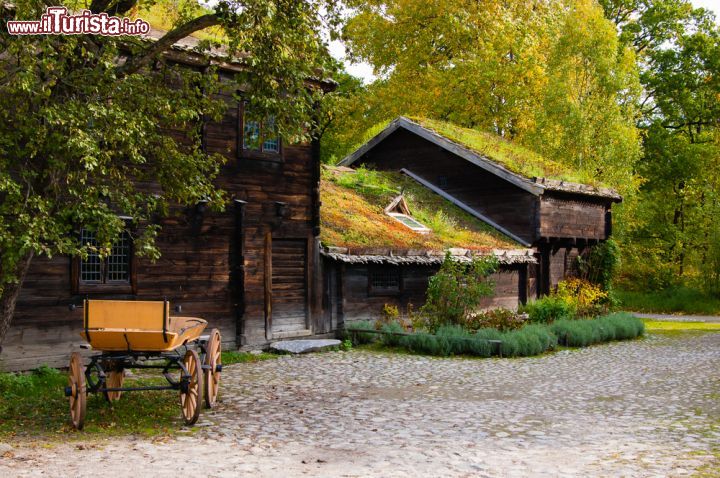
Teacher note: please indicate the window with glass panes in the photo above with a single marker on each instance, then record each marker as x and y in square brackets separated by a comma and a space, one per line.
[114, 268]
[258, 135]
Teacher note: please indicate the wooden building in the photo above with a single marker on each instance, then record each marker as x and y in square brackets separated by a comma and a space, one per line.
[249, 270]
[384, 235]
[532, 200]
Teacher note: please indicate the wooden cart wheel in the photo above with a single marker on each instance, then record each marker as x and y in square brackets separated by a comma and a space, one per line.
[78, 392]
[114, 379]
[190, 399]
[213, 358]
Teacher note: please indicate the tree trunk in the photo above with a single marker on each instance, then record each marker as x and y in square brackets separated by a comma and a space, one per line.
[9, 296]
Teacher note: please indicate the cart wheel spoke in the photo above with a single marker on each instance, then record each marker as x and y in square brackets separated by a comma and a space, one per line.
[114, 379]
[189, 398]
[77, 399]
[213, 359]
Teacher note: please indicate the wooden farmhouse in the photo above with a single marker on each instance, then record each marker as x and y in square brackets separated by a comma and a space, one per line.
[250, 271]
[384, 235]
[528, 198]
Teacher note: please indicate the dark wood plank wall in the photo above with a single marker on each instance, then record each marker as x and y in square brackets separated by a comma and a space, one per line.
[197, 256]
[506, 204]
[570, 217]
[357, 304]
[557, 266]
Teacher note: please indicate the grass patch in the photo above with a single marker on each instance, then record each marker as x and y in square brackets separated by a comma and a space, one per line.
[231, 357]
[513, 156]
[662, 326]
[33, 405]
[682, 300]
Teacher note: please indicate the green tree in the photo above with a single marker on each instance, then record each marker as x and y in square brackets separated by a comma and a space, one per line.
[550, 75]
[672, 237]
[83, 121]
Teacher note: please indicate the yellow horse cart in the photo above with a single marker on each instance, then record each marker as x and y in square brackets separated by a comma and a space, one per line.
[143, 335]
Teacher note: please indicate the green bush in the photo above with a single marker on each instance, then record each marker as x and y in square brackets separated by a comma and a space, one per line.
[581, 333]
[500, 318]
[531, 340]
[548, 309]
[457, 290]
[360, 337]
[461, 342]
[389, 338]
[426, 344]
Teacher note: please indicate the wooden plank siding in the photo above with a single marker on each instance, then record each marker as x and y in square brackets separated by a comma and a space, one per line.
[353, 302]
[558, 224]
[573, 218]
[202, 268]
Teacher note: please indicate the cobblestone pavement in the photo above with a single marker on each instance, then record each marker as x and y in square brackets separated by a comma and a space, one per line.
[641, 408]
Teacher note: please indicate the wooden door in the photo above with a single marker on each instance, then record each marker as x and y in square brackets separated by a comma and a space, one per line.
[289, 287]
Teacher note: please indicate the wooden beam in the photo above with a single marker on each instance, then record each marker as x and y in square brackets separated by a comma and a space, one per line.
[267, 258]
[464, 207]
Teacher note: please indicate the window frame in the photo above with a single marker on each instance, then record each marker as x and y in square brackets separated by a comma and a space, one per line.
[383, 291]
[242, 152]
[423, 229]
[129, 286]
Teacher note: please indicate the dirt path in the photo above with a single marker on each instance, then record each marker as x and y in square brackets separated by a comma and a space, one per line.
[635, 409]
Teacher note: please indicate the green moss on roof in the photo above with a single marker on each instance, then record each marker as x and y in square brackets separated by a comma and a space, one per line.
[352, 215]
[512, 156]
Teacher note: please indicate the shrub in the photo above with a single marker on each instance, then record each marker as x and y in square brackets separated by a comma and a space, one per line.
[426, 344]
[389, 314]
[456, 291]
[548, 309]
[360, 337]
[588, 299]
[389, 338]
[527, 341]
[501, 319]
[462, 342]
[581, 333]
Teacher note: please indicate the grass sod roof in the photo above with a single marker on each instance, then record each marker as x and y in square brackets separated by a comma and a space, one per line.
[514, 157]
[352, 216]
[534, 169]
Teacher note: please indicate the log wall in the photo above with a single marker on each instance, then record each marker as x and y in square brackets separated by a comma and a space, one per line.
[213, 264]
[350, 299]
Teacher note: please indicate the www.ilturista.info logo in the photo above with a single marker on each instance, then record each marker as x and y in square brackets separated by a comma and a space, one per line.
[56, 21]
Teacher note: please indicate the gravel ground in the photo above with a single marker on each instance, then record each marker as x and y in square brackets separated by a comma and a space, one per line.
[643, 408]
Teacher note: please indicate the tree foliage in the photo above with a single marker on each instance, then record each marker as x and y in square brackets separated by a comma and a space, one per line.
[83, 122]
[674, 236]
[550, 75]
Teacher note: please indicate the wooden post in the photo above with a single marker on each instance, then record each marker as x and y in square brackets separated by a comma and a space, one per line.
[523, 284]
[267, 258]
[237, 271]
